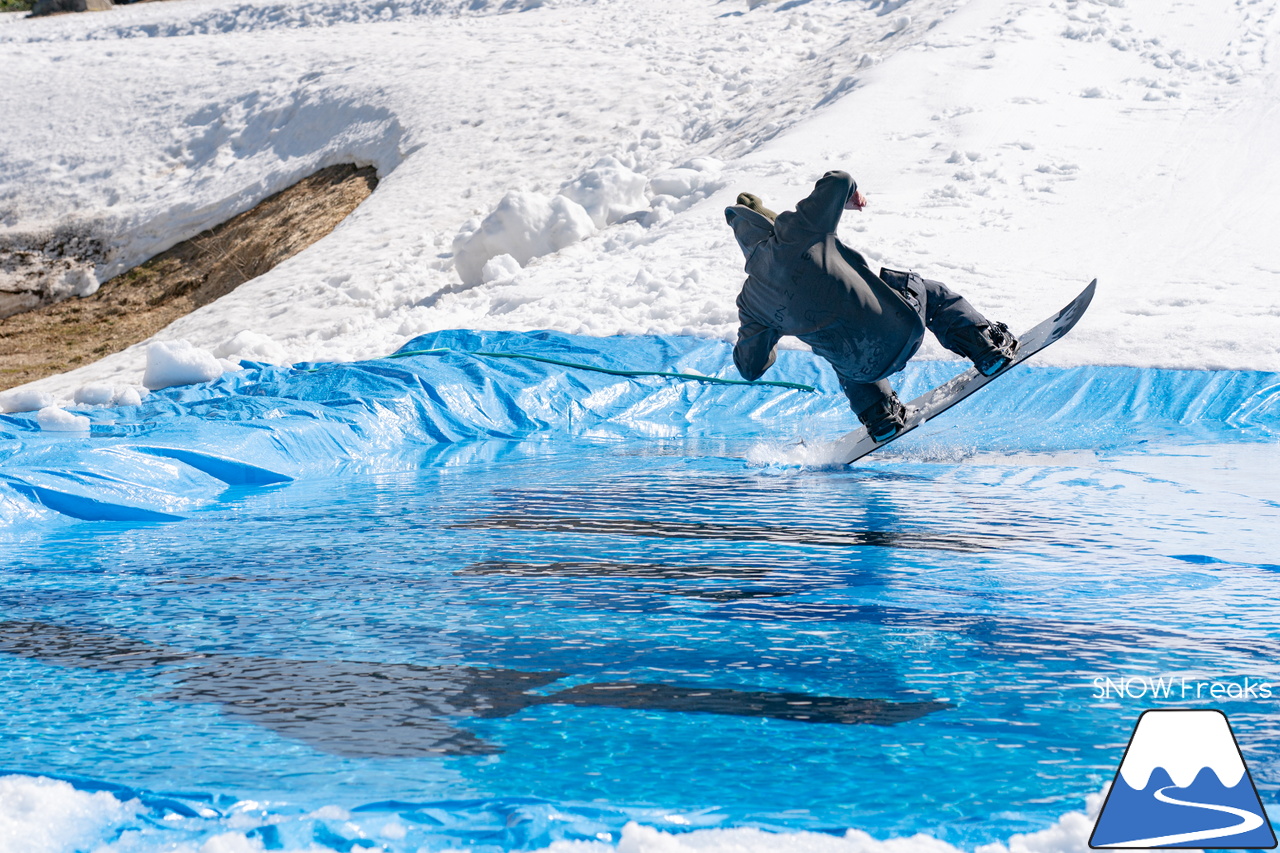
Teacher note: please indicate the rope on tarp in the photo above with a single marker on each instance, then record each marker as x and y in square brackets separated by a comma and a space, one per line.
[691, 377]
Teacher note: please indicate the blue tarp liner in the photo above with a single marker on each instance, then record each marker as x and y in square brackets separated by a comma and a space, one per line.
[244, 603]
[266, 425]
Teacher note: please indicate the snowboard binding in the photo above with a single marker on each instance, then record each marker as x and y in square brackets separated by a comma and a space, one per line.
[990, 347]
[885, 419]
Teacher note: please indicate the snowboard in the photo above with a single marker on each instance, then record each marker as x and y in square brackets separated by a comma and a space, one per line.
[929, 405]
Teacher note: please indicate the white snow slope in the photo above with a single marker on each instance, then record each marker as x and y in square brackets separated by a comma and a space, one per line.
[1013, 148]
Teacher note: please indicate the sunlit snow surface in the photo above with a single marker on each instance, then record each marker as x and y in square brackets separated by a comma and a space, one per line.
[365, 636]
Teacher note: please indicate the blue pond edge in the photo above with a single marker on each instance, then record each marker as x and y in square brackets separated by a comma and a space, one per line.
[268, 425]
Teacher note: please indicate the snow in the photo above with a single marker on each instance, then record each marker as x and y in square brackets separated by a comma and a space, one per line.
[608, 191]
[55, 419]
[46, 815]
[24, 399]
[522, 227]
[1121, 141]
[49, 816]
[171, 363]
[1069, 835]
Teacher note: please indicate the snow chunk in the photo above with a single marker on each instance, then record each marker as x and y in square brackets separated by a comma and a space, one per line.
[524, 225]
[676, 183]
[24, 400]
[50, 815]
[253, 346]
[699, 175]
[608, 191]
[177, 362]
[101, 394]
[80, 281]
[54, 419]
[501, 268]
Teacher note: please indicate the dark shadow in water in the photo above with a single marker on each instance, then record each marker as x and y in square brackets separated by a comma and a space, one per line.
[742, 593]
[802, 707]
[737, 532]
[600, 569]
[362, 710]
[381, 710]
[58, 645]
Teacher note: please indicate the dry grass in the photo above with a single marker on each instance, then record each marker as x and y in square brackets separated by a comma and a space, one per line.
[135, 305]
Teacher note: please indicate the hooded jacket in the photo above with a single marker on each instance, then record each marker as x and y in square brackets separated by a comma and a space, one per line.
[802, 281]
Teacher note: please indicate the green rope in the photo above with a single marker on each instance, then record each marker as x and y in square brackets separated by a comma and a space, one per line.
[795, 386]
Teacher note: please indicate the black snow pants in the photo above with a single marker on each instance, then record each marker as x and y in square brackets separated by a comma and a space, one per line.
[947, 314]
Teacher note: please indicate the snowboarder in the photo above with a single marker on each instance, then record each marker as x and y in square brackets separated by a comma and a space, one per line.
[802, 281]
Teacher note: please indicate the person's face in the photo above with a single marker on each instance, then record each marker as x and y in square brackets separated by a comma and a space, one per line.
[856, 201]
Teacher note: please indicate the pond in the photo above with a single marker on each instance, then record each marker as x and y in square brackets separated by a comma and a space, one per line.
[461, 601]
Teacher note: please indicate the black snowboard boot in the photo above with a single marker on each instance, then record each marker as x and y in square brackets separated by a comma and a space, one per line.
[990, 348]
[885, 419]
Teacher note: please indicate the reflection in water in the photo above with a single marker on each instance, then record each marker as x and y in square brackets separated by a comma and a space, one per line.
[380, 710]
[737, 533]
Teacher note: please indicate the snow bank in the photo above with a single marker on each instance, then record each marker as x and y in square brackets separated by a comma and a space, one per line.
[1049, 189]
[455, 111]
[248, 17]
[1069, 835]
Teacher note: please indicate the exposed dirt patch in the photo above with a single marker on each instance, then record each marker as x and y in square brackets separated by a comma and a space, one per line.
[135, 305]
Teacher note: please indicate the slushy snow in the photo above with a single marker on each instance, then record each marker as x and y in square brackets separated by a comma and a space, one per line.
[40, 815]
[48, 816]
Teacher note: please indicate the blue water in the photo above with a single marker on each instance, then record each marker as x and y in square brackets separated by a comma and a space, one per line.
[503, 603]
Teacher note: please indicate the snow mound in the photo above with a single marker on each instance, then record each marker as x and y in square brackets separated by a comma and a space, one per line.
[104, 394]
[24, 400]
[171, 363]
[252, 346]
[524, 225]
[55, 419]
[608, 191]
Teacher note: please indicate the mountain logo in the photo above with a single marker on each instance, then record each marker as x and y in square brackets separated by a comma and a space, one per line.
[1182, 783]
